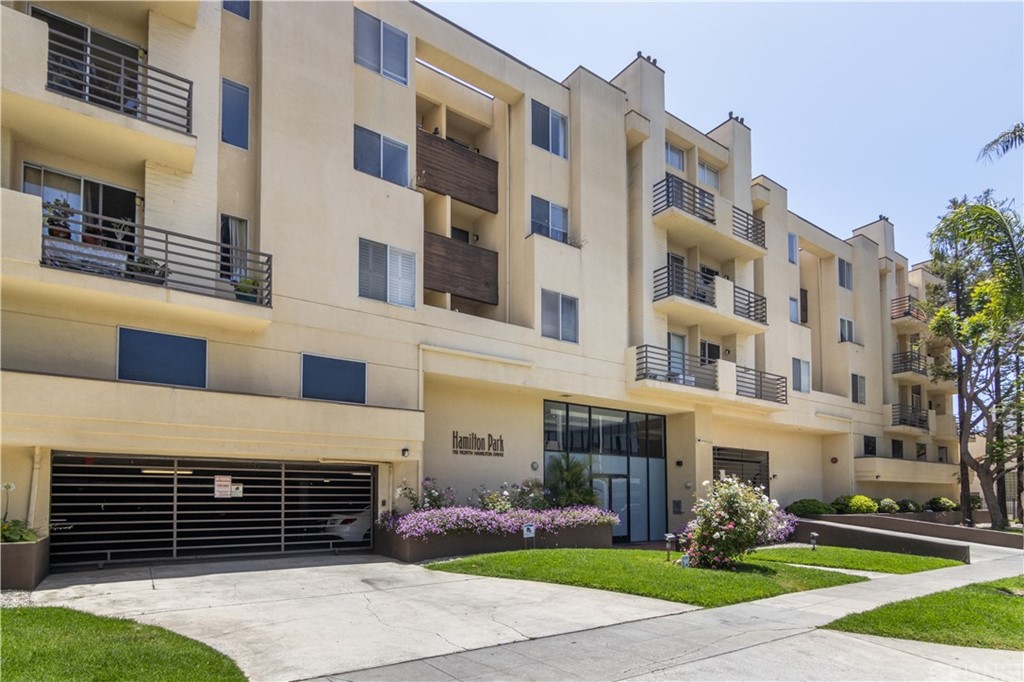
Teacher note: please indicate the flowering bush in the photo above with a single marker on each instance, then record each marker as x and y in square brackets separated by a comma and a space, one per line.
[887, 505]
[731, 518]
[14, 530]
[433, 497]
[448, 520]
[529, 494]
[781, 525]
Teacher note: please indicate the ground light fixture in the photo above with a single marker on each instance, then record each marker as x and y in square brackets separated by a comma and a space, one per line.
[814, 541]
[669, 541]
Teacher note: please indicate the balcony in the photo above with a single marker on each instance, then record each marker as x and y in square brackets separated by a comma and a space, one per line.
[696, 298]
[695, 217]
[753, 383]
[460, 269]
[910, 367]
[109, 247]
[449, 168]
[907, 315]
[907, 419]
[66, 96]
[889, 470]
[661, 364]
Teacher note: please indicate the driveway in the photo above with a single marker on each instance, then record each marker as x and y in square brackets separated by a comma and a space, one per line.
[301, 617]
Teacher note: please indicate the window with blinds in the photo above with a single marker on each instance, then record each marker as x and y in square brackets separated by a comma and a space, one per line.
[559, 316]
[387, 274]
[381, 47]
[381, 156]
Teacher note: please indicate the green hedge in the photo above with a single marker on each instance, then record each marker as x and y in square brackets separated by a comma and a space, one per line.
[810, 507]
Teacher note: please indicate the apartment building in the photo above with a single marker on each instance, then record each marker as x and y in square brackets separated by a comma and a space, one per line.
[262, 262]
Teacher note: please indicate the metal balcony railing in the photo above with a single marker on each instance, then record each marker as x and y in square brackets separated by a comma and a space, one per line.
[122, 249]
[906, 415]
[753, 383]
[750, 305]
[746, 226]
[674, 192]
[88, 72]
[676, 279]
[661, 364]
[909, 361]
[907, 306]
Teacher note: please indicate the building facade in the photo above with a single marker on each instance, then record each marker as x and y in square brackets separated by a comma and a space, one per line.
[262, 262]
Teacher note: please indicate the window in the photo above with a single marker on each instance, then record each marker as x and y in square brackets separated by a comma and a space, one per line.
[794, 310]
[239, 7]
[707, 175]
[559, 316]
[325, 378]
[845, 330]
[801, 375]
[858, 389]
[921, 450]
[793, 247]
[550, 220]
[460, 235]
[234, 114]
[234, 243]
[675, 157]
[897, 449]
[869, 446]
[943, 453]
[156, 358]
[387, 274]
[846, 274]
[381, 156]
[709, 352]
[382, 48]
[114, 230]
[549, 130]
[803, 306]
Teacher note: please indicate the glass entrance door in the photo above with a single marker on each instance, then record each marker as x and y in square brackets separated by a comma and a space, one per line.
[612, 491]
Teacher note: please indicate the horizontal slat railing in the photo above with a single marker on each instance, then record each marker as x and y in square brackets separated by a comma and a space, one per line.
[661, 364]
[907, 306]
[909, 361]
[750, 305]
[673, 192]
[754, 383]
[746, 226]
[121, 249]
[906, 415]
[678, 280]
[93, 74]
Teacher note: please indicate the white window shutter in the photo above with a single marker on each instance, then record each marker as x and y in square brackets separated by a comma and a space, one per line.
[401, 277]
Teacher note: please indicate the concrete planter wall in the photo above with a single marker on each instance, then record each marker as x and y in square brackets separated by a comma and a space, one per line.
[23, 565]
[412, 550]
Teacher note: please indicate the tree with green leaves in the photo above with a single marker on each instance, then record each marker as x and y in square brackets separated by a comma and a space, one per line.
[978, 251]
[1010, 138]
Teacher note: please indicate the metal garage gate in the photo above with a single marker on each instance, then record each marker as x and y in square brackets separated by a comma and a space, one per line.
[116, 508]
[749, 466]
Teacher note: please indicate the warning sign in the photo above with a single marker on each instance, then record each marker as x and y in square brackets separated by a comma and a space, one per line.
[221, 486]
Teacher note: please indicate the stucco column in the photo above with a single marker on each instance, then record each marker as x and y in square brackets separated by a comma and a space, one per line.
[690, 440]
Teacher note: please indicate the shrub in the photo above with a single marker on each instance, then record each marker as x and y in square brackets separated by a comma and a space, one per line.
[940, 504]
[529, 494]
[887, 505]
[463, 520]
[570, 483]
[729, 520]
[908, 506]
[780, 526]
[433, 497]
[810, 507]
[17, 530]
[854, 504]
[975, 500]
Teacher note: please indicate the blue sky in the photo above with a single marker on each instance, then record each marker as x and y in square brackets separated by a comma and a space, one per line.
[858, 109]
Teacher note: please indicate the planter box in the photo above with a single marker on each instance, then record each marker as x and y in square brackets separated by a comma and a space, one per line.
[23, 565]
[391, 545]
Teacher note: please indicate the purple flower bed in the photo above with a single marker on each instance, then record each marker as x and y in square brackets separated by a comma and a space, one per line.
[454, 520]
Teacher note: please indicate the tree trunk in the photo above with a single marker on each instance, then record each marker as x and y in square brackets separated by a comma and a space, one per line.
[988, 492]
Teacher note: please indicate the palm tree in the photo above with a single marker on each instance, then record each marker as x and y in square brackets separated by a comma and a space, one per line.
[1007, 140]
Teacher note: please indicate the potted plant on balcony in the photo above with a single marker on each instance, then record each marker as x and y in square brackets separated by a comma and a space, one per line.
[247, 289]
[149, 270]
[57, 214]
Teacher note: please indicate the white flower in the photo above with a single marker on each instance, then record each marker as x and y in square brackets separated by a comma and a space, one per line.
[8, 486]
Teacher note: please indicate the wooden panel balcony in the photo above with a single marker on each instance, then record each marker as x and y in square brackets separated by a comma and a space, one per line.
[447, 167]
[460, 269]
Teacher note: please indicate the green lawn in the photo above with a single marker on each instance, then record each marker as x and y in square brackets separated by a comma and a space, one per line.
[860, 559]
[646, 573]
[38, 644]
[989, 615]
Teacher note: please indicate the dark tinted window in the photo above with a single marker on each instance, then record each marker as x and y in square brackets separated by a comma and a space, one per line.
[239, 7]
[161, 358]
[333, 379]
[234, 113]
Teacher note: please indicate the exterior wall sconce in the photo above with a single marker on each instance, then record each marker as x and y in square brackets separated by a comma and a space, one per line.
[878, 476]
[534, 465]
[774, 476]
[405, 452]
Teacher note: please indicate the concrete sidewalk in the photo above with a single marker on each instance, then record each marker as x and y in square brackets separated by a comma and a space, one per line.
[770, 639]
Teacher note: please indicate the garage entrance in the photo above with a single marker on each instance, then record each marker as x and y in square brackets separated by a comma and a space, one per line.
[116, 508]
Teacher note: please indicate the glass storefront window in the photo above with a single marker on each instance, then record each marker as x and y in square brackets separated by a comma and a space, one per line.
[554, 426]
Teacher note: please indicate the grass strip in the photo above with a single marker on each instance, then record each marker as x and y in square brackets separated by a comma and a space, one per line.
[647, 574]
[988, 615]
[39, 644]
[859, 559]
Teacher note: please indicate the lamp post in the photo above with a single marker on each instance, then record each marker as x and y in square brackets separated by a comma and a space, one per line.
[814, 541]
[669, 541]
